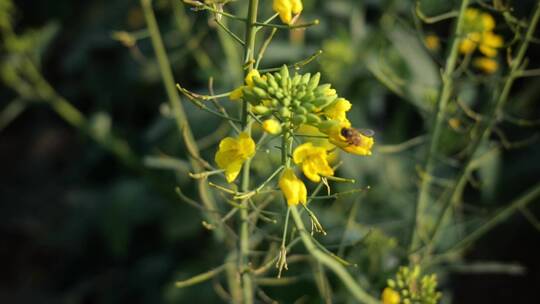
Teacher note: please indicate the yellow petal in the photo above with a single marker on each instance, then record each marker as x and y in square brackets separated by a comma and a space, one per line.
[246, 146]
[314, 161]
[485, 64]
[297, 6]
[293, 189]
[236, 94]
[232, 153]
[390, 296]
[432, 42]
[232, 170]
[320, 162]
[338, 109]
[284, 9]
[271, 126]
[488, 23]
[249, 77]
[310, 171]
[301, 152]
[468, 45]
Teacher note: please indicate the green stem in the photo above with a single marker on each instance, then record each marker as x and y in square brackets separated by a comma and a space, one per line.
[356, 291]
[179, 113]
[446, 93]
[249, 50]
[489, 123]
[323, 258]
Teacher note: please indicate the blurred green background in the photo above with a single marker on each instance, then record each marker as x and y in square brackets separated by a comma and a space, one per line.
[78, 226]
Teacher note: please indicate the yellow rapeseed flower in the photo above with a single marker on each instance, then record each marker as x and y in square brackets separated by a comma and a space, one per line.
[348, 139]
[319, 140]
[338, 110]
[390, 296]
[237, 93]
[232, 154]
[487, 65]
[479, 33]
[490, 43]
[314, 161]
[468, 45]
[286, 9]
[293, 188]
[432, 42]
[271, 126]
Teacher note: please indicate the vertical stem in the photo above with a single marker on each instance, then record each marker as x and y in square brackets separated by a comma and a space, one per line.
[356, 291]
[179, 113]
[446, 93]
[491, 119]
[321, 257]
[247, 284]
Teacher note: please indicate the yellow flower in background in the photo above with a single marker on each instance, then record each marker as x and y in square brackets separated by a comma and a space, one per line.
[390, 296]
[432, 42]
[479, 34]
[488, 23]
[237, 94]
[487, 65]
[314, 161]
[286, 9]
[490, 43]
[293, 188]
[338, 110]
[468, 45]
[271, 126]
[348, 139]
[232, 154]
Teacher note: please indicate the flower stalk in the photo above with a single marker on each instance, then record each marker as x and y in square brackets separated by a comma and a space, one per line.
[440, 110]
[249, 50]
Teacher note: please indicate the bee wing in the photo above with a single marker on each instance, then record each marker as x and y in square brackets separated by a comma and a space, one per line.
[367, 132]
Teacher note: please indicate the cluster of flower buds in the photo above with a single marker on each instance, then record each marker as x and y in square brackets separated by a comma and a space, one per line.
[301, 99]
[298, 99]
[409, 287]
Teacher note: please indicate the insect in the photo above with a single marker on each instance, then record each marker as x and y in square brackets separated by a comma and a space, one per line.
[354, 137]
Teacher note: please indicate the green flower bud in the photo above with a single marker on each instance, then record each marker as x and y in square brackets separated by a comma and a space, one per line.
[309, 107]
[272, 81]
[285, 112]
[249, 96]
[314, 81]
[313, 119]
[260, 109]
[286, 101]
[259, 92]
[301, 111]
[305, 79]
[296, 80]
[321, 90]
[284, 72]
[284, 82]
[299, 119]
[300, 94]
[261, 83]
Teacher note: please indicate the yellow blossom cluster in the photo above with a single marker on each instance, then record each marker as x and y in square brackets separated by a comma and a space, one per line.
[287, 106]
[478, 27]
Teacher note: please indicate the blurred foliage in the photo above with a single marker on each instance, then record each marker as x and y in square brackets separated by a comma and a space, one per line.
[80, 227]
